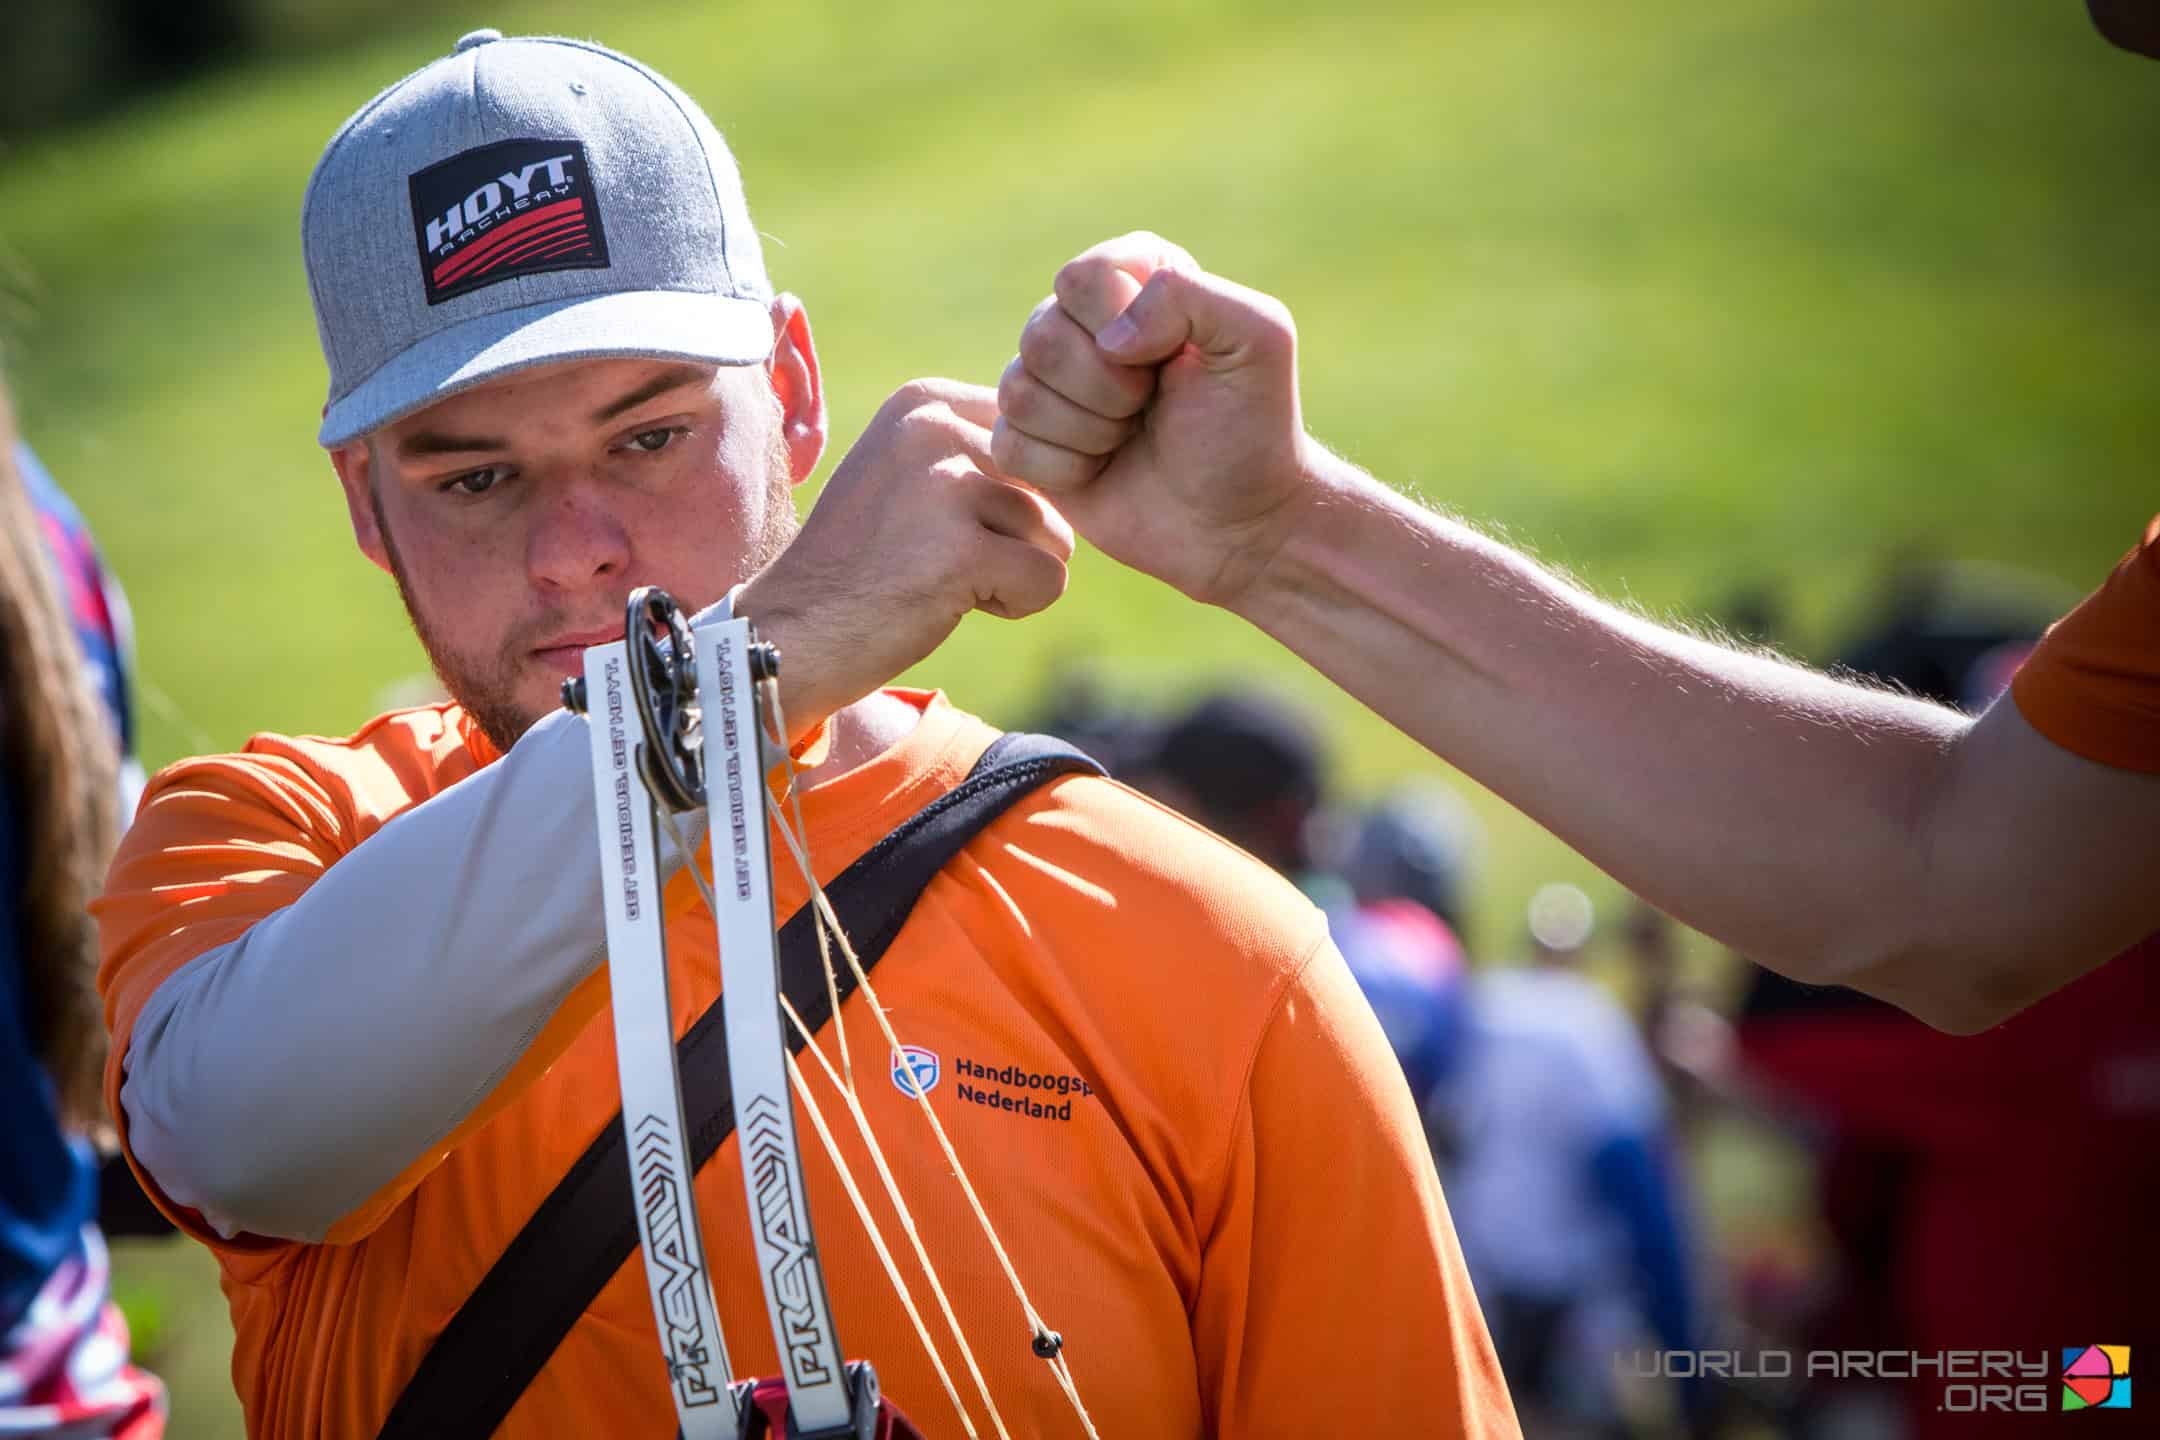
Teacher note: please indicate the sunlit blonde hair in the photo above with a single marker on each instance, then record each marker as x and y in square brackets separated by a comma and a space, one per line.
[58, 755]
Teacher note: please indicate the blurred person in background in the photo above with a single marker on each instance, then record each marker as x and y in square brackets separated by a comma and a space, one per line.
[1416, 842]
[1992, 1191]
[1406, 860]
[1251, 768]
[63, 1344]
[97, 611]
[1566, 1194]
[1932, 1151]
[1567, 1187]
[1934, 628]
[1958, 868]
[1687, 1035]
[1543, 1108]
[1078, 708]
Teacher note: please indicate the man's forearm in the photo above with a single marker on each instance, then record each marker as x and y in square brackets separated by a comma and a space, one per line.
[276, 1082]
[1776, 809]
[1961, 869]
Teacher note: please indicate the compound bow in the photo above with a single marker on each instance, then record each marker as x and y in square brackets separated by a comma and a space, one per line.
[680, 721]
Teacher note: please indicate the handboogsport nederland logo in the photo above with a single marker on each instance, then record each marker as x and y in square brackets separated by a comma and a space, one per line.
[2096, 1377]
[915, 1070]
[518, 207]
[1009, 1089]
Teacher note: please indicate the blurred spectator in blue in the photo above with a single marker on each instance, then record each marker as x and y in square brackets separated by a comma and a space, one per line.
[1252, 768]
[1415, 843]
[63, 1345]
[1414, 974]
[1566, 1194]
[1544, 1107]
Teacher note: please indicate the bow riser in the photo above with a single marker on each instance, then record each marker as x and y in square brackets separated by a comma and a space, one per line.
[796, 1301]
[678, 1279]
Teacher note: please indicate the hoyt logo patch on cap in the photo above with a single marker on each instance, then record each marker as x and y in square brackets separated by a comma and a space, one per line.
[517, 207]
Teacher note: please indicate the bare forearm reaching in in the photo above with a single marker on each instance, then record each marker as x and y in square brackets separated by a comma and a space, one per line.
[1958, 868]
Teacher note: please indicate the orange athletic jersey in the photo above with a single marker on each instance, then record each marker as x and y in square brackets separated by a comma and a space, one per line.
[1178, 1109]
[2093, 683]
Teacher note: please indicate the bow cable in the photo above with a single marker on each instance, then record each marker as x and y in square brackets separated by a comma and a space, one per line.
[1046, 1343]
[729, 664]
[688, 691]
[907, 1224]
[678, 1280]
[847, 1181]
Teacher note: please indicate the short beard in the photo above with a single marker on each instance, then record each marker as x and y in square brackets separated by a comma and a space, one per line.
[487, 689]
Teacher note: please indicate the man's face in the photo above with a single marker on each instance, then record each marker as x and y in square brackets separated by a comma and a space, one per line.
[517, 517]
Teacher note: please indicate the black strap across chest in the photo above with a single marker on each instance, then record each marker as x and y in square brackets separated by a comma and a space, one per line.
[586, 1229]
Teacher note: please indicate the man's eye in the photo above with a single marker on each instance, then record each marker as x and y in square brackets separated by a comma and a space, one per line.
[473, 482]
[653, 441]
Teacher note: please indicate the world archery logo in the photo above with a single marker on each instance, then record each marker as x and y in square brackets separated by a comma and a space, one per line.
[518, 207]
[2096, 1377]
[915, 1070]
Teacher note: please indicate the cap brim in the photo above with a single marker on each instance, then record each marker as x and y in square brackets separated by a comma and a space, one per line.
[638, 324]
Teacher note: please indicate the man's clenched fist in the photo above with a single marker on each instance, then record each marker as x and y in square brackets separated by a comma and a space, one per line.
[911, 533]
[1158, 405]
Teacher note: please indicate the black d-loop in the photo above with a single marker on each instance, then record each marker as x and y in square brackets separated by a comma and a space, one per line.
[663, 683]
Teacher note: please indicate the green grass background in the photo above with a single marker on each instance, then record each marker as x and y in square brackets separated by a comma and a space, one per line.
[1685, 296]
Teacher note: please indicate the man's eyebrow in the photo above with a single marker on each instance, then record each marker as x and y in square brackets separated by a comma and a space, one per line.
[437, 442]
[671, 379]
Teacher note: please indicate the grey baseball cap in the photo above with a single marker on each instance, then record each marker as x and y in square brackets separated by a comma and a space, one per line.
[516, 203]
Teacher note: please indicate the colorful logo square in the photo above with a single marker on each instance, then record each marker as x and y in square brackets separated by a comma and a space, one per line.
[2096, 1377]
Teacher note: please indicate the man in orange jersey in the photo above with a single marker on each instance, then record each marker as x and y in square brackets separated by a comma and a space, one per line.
[360, 1029]
[1959, 868]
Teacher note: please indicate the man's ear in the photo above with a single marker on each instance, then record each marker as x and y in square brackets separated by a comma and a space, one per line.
[799, 387]
[354, 462]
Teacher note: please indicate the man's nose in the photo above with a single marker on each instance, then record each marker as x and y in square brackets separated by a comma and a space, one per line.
[577, 537]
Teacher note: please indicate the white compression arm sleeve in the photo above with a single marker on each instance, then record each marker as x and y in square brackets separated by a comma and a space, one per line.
[276, 1082]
